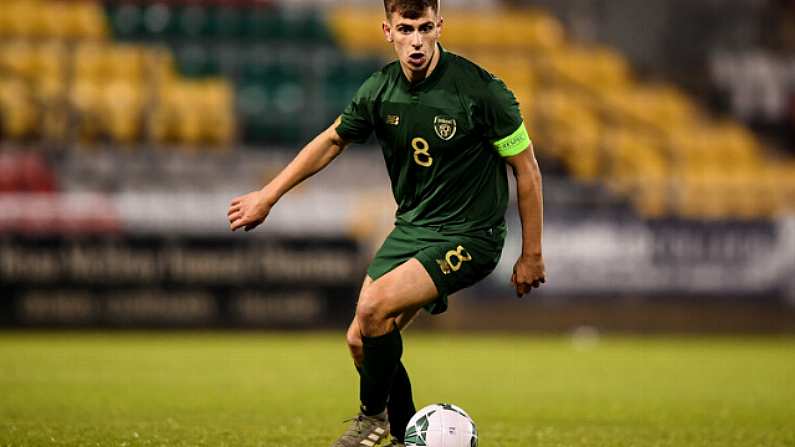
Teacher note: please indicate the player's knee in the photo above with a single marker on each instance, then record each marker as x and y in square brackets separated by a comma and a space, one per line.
[371, 311]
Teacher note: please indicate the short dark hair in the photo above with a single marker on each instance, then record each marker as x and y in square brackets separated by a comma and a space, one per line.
[410, 9]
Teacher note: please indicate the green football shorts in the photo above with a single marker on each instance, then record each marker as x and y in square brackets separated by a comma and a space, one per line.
[453, 261]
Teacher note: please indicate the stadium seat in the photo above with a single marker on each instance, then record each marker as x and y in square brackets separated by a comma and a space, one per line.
[55, 20]
[17, 58]
[193, 114]
[569, 131]
[88, 21]
[49, 60]
[192, 21]
[122, 103]
[262, 23]
[346, 26]
[126, 19]
[18, 113]
[195, 60]
[218, 113]
[523, 30]
[159, 21]
[597, 70]
[343, 78]
[125, 62]
[228, 22]
[23, 20]
[785, 186]
[86, 100]
[90, 62]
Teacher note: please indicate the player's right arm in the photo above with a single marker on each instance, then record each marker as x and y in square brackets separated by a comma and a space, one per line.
[353, 126]
[249, 210]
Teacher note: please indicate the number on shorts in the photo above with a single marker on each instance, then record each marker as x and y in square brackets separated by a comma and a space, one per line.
[457, 257]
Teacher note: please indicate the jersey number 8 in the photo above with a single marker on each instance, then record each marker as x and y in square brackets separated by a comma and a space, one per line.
[421, 155]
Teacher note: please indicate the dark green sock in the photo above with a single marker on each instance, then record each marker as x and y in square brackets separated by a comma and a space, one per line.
[400, 406]
[381, 358]
[400, 403]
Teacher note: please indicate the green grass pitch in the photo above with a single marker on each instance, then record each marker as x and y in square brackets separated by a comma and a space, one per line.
[263, 389]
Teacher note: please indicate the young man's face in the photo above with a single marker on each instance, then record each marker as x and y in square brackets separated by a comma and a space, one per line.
[414, 39]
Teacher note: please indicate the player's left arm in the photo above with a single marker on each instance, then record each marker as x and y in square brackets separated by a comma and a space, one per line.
[528, 272]
[505, 129]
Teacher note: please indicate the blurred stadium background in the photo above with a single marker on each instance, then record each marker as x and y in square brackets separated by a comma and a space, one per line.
[665, 130]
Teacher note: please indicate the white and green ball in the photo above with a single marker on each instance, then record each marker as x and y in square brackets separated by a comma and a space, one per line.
[441, 425]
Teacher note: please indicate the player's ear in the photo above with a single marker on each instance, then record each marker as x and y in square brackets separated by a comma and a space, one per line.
[439, 25]
[387, 31]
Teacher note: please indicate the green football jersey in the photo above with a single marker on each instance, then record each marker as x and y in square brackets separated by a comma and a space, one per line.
[443, 141]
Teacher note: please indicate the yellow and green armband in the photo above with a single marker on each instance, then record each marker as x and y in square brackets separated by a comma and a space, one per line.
[513, 143]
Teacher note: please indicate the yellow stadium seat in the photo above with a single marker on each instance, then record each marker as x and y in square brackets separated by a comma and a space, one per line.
[482, 30]
[187, 100]
[50, 60]
[7, 19]
[18, 114]
[86, 20]
[598, 69]
[346, 24]
[749, 195]
[568, 130]
[122, 103]
[738, 145]
[524, 94]
[631, 158]
[89, 62]
[50, 73]
[162, 120]
[785, 187]
[778, 178]
[515, 70]
[218, 113]
[125, 62]
[160, 65]
[523, 30]
[455, 36]
[17, 58]
[55, 18]
[712, 193]
[695, 198]
[194, 114]
[548, 32]
[24, 19]
[55, 124]
[85, 99]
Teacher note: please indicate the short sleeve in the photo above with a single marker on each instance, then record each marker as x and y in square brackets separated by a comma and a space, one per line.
[356, 121]
[503, 123]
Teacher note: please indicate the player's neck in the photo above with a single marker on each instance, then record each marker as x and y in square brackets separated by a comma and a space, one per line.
[418, 76]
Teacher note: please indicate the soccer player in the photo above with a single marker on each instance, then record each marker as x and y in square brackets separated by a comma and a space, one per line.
[447, 128]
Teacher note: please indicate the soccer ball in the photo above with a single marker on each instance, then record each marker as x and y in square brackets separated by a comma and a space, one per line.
[441, 425]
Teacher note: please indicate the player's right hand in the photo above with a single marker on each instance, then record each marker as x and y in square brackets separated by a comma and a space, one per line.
[248, 211]
[528, 273]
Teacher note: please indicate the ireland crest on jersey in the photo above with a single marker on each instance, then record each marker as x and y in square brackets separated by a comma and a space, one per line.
[444, 127]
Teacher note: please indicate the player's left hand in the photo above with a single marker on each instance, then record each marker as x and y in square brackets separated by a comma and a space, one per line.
[528, 273]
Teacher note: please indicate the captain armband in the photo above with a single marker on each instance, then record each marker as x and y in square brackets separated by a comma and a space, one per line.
[513, 143]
